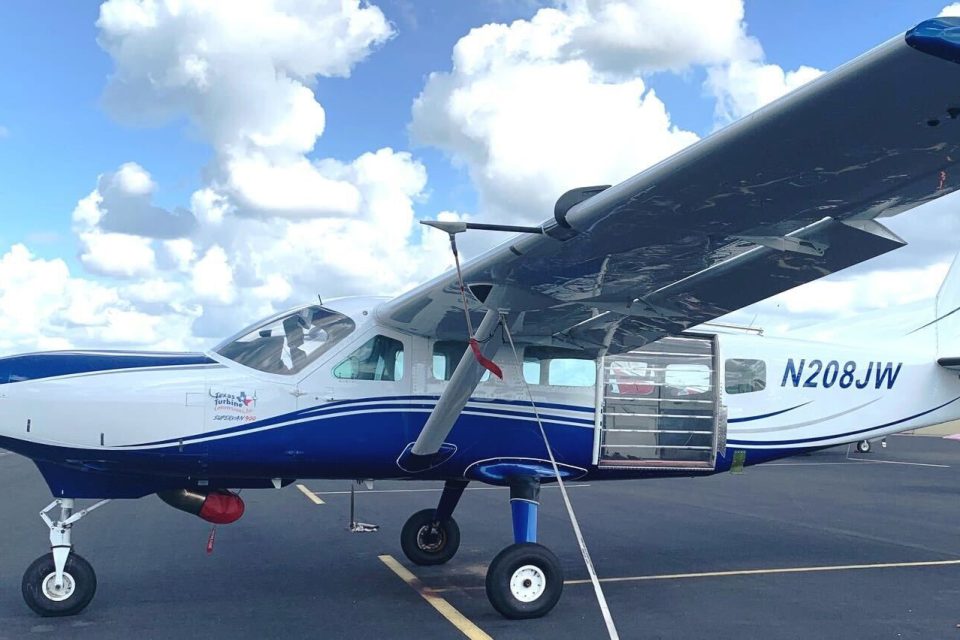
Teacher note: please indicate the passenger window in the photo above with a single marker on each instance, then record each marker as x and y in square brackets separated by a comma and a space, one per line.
[686, 379]
[380, 358]
[532, 370]
[563, 367]
[446, 357]
[744, 375]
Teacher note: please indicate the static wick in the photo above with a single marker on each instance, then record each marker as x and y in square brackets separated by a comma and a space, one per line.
[211, 539]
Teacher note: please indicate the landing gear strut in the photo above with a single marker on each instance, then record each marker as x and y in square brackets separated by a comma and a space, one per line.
[524, 580]
[431, 536]
[60, 583]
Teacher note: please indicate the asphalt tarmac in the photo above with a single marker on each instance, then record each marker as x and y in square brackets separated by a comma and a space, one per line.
[829, 545]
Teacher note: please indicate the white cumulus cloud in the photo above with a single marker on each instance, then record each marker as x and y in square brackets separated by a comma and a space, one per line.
[241, 73]
[951, 10]
[117, 254]
[743, 86]
[532, 110]
[43, 306]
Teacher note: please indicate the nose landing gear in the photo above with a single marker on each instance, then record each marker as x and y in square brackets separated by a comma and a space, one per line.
[60, 583]
[49, 597]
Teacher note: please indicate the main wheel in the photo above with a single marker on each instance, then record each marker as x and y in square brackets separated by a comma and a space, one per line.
[41, 593]
[863, 446]
[426, 541]
[524, 581]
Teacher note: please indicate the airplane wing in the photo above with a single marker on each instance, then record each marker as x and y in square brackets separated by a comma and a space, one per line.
[782, 197]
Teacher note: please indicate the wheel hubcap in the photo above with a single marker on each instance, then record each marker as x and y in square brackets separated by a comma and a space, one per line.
[431, 540]
[55, 593]
[528, 583]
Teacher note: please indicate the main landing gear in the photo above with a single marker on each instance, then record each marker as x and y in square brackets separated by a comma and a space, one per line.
[864, 446]
[524, 580]
[60, 583]
[432, 536]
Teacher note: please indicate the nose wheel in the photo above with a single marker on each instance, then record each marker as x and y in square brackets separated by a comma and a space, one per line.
[49, 597]
[60, 583]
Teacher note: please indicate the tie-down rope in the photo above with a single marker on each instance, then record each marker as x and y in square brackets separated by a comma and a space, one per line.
[598, 590]
[484, 361]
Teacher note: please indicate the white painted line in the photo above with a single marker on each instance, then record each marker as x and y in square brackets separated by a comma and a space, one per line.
[912, 464]
[756, 572]
[796, 464]
[821, 464]
[341, 493]
[310, 494]
[443, 607]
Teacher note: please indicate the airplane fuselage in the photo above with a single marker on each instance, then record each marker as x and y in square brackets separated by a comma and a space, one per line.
[126, 425]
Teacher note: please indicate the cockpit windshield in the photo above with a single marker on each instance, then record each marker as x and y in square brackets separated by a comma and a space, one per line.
[286, 343]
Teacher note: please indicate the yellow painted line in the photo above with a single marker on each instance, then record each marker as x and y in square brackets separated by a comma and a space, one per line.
[445, 609]
[756, 572]
[314, 498]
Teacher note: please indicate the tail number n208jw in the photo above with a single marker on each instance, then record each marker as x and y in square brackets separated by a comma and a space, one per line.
[816, 374]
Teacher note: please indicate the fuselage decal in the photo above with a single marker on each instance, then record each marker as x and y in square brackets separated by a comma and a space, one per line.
[834, 436]
[768, 415]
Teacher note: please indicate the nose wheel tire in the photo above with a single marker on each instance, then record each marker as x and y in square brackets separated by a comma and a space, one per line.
[524, 581]
[41, 593]
[428, 542]
[863, 446]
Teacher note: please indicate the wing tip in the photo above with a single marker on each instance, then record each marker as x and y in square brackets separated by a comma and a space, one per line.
[938, 37]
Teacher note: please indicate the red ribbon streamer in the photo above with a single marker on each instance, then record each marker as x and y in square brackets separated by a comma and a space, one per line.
[485, 362]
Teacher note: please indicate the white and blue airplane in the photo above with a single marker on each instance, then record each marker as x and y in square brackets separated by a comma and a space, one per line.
[595, 320]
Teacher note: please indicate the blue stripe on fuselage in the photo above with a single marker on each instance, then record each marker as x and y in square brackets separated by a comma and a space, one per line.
[36, 366]
[380, 403]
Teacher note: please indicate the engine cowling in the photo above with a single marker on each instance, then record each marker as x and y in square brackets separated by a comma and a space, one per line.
[218, 506]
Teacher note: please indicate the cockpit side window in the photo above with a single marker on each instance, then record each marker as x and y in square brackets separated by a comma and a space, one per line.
[286, 343]
[380, 358]
[745, 375]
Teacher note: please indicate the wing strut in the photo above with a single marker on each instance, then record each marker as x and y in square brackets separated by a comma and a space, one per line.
[423, 454]
[426, 451]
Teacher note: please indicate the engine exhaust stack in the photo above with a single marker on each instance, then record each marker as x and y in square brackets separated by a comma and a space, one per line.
[217, 506]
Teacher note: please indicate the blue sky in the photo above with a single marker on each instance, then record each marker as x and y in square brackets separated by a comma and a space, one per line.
[58, 135]
[60, 138]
